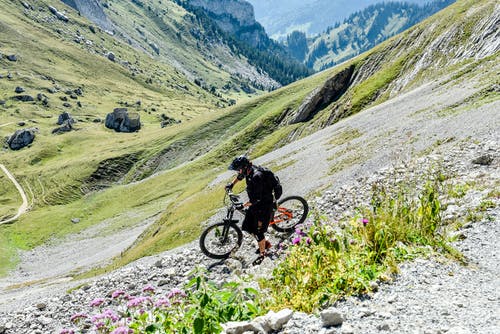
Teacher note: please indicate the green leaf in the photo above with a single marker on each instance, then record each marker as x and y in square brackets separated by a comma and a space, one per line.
[198, 325]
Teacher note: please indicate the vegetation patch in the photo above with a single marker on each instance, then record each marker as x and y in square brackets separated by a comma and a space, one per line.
[329, 262]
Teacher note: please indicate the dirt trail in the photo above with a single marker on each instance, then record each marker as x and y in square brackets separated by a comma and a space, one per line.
[22, 209]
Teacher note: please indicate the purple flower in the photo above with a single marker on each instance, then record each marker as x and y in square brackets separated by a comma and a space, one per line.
[162, 302]
[97, 302]
[148, 288]
[299, 232]
[75, 317]
[365, 221]
[296, 240]
[308, 241]
[118, 293]
[106, 315]
[67, 331]
[122, 330]
[138, 301]
[176, 292]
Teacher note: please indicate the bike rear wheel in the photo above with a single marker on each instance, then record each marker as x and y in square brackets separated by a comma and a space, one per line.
[291, 211]
[219, 240]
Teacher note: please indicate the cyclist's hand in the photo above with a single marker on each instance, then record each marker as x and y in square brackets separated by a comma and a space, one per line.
[228, 187]
[247, 204]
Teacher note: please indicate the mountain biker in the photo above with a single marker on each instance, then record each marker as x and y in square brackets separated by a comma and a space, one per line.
[262, 194]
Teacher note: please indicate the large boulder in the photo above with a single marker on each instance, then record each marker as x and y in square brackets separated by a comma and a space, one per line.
[65, 116]
[21, 138]
[121, 120]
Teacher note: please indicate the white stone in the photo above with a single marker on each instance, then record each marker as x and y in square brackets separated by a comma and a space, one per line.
[331, 317]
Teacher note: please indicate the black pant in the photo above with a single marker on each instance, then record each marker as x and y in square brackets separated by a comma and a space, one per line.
[262, 214]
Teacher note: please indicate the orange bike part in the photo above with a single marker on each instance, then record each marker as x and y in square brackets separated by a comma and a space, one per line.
[282, 215]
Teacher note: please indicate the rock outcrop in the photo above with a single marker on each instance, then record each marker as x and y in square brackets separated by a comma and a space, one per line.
[121, 120]
[21, 138]
[322, 96]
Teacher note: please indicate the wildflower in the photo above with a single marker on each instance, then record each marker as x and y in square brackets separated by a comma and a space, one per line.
[97, 302]
[67, 331]
[137, 301]
[122, 330]
[162, 302]
[118, 293]
[365, 221]
[296, 240]
[148, 288]
[77, 316]
[176, 292]
[299, 232]
[308, 241]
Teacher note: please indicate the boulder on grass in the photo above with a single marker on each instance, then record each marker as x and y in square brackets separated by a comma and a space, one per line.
[21, 138]
[121, 120]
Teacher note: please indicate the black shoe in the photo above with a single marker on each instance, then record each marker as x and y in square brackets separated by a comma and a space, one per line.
[258, 260]
[268, 246]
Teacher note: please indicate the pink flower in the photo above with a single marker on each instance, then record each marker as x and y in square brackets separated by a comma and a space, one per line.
[75, 317]
[138, 301]
[148, 288]
[308, 241]
[97, 302]
[299, 232]
[67, 331]
[176, 292]
[162, 302]
[296, 240]
[122, 330]
[365, 221]
[118, 293]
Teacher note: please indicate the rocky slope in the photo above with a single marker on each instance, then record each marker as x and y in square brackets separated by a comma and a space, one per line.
[464, 291]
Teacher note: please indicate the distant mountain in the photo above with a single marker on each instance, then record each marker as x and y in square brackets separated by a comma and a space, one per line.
[360, 32]
[246, 36]
[281, 17]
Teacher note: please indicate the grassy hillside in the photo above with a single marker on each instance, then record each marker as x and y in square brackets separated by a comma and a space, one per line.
[171, 168]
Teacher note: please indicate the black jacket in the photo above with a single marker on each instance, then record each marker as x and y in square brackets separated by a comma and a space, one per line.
[259, 189]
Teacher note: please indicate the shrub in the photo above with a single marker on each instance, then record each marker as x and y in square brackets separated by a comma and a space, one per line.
[328, 262]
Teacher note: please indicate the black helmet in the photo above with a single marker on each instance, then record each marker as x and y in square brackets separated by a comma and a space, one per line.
[239, 163]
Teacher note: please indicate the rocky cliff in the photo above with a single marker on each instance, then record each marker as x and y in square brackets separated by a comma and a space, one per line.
[92, 10]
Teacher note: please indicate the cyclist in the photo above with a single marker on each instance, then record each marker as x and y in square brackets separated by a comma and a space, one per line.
[263, 189]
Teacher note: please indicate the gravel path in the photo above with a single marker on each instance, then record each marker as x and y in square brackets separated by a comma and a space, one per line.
[24, 206]
[427, 297]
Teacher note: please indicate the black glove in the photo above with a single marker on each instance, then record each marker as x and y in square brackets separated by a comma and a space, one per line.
[228, 186]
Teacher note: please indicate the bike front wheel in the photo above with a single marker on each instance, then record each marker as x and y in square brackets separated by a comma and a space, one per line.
[291, 211]
[219, 240]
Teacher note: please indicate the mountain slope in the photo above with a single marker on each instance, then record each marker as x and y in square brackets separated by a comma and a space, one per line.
[458, 44]
[363, 30]
[312, 17]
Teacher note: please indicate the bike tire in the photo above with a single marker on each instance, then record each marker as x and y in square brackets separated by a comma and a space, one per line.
[219, 240]
[292, 210]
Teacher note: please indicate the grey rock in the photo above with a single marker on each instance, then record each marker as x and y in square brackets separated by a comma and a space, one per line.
[19, 90]
[121, 120]
[65, 116]
[41, 306]
[240, 327]
[75, 220]
[21, 138]
[347, 329]
[11, 58]
[383, 326]
[459, 330]
[484, 160]
[331, 317]
[23, 98]
[111, 56]
[67, 105]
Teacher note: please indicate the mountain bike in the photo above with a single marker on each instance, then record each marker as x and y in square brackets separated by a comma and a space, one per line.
[219, 240]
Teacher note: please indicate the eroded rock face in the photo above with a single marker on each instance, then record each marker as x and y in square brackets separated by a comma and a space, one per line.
[322, 96]
[121, 120]
[21, 138]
